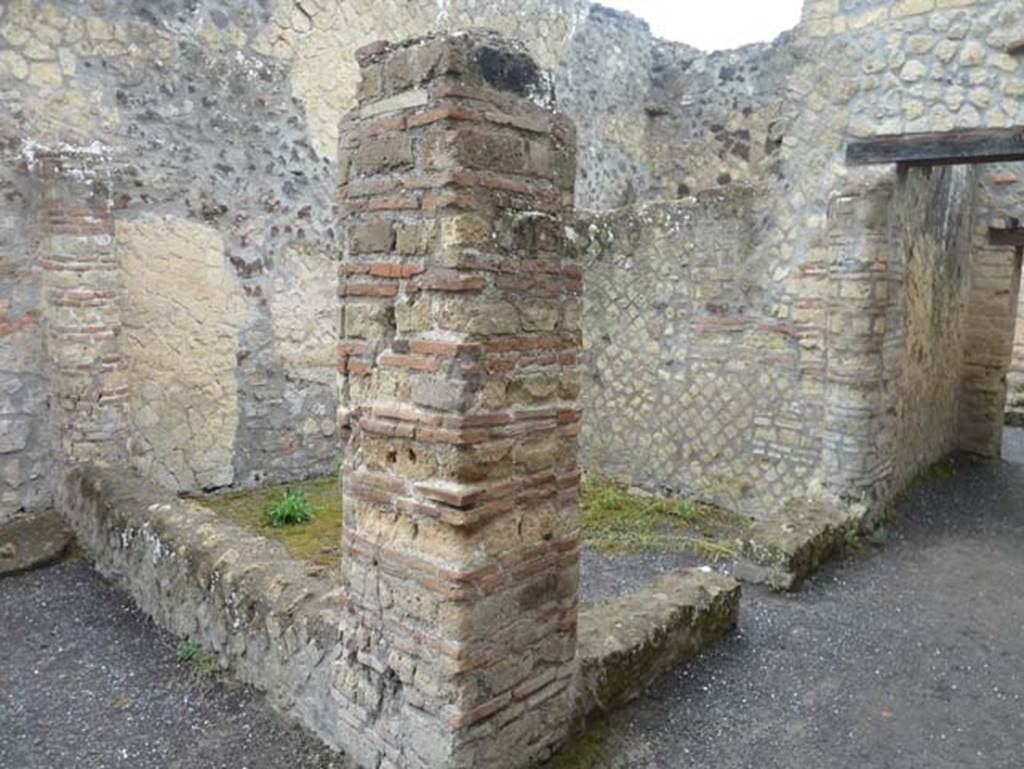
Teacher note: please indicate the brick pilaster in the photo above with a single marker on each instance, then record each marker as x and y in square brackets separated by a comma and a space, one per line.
[459, 374]
[857, 454]
[82, 321]
[991, 322]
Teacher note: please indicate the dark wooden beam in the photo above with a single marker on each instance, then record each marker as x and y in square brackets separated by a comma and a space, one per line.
[1006, 237]
[973, 145]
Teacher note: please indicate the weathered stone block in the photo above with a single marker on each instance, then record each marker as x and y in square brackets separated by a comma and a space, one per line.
[625, 644]
[415, 239]
[374, 236]
[368, 321]
[389, 153]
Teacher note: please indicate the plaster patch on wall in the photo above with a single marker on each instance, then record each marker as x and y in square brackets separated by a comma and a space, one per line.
[318, 40]
[183, 310]
[304, 312]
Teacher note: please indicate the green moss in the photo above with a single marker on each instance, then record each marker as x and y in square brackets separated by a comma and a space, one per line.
[942, 470]
[318, 540]
[585, 750]
[613, 519]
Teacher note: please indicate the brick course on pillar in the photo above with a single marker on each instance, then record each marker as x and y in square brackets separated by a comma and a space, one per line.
[81, 287]
[460, 385]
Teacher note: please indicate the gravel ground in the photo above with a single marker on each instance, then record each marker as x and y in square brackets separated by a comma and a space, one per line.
[87, 681]
[905, 657]
[908, 656]
[608, 576]
[1013, 444]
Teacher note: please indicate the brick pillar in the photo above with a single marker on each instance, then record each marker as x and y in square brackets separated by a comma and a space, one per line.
[82, 321]
[460, 389]
[857, 455]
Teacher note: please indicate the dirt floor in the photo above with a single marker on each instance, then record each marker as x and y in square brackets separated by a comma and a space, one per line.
[910, 655]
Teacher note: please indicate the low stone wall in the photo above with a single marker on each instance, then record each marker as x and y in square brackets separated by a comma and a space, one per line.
[784, 551]
[276, 625]
[239, 595]
[625, 644]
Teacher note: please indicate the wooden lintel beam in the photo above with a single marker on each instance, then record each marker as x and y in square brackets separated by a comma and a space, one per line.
[964, 146]
[1006, 237]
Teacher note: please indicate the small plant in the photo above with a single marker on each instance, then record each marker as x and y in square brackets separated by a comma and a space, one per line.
[711, 550]
[203, 664]
[854, 539]
[187, 651]
[684, 510]
[881, 533]
[289, 508]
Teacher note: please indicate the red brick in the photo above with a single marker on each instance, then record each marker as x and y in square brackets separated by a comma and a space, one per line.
[437, 347]
[417, 362]
[437, 114]
[394, 269]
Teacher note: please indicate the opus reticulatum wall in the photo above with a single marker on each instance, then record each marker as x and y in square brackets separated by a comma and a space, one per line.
[217, 126]
[755, 322]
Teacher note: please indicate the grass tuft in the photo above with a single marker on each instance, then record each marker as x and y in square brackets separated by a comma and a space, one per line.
[615, 519]
[204, 665]
[317, 541]
[289, 508]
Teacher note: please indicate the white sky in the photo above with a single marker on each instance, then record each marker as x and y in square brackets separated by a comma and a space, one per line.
[714, 24]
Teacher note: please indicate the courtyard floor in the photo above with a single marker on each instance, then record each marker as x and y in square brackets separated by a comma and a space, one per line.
[910, 655]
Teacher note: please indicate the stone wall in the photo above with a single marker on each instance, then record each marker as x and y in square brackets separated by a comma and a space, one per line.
[691, 386]
[25, 448]
[991, 321]
[219, 125]
[1001, 205]
[219, 121]
[236, 593]
[829, 248]
[931, 277]
[183, 313]
[989, 390]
